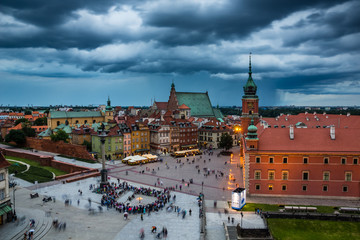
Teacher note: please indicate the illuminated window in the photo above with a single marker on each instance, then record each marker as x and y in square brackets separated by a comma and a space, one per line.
[305, 175]
[283, 188]
[257, 186]
[348, 176]
[271, 175]
[257, 159]
[271, 160]
[257, 175]
[326, 176]
[326, 160]
[271, 187]
[343, 161]
[306, 160]
[285, 160]
[345, 188]
[284, 175]
[325, 188]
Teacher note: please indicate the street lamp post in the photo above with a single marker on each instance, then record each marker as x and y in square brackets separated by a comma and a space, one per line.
[104, 172]
[14, 189]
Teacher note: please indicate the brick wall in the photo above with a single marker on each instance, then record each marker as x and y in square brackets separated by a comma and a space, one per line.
[72, 150]
[45, 160]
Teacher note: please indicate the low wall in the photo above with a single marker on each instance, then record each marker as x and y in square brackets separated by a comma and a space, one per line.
[45, 161]
[313, 216]
[72, 150]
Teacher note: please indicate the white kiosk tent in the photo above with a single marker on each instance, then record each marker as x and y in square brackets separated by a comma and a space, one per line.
[238, 198]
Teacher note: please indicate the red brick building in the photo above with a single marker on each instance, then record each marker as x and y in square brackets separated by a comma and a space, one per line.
[307, 162]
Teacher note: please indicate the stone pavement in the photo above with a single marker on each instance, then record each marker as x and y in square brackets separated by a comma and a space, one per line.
[106, 225]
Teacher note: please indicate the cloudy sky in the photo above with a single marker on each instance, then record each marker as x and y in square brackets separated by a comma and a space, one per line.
[304, 52]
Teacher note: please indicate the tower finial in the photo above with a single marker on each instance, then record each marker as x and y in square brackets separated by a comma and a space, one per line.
[250, 63]
[172, 84]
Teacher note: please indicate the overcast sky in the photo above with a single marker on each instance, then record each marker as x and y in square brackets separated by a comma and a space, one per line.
[78, 52]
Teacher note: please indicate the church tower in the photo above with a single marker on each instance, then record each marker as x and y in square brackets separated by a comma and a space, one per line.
[173, 102]
[109, 111]
[250, 103]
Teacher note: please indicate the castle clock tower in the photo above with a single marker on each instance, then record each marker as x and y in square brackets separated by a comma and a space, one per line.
[250, 103]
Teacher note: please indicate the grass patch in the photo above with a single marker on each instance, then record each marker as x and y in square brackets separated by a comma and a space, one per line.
[36, 174]
[250, 207]
[56, 171]
[79, 159]
[298, 229]
[16, 167]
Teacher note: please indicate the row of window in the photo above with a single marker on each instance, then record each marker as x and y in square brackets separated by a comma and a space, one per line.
[142, 134]
[306, 160]
[188, 130]
[142, 146]
[2, 194]
[325, 188]
[188, 140]
[76, 122]
[305, 175]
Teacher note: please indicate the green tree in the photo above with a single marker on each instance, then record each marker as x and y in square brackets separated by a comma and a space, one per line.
[60, 135]
[17, 136]
[226, 141]
[28, 112]
[88, 145]
[29, 132]
[40, 121]
[21, 120]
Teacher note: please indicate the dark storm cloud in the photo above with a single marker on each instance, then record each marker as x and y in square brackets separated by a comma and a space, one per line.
[184, 25]
[47, 13]
[332, 25]
[225, 21]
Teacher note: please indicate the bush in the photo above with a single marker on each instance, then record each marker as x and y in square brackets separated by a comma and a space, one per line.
[36, 174]
[17, 168]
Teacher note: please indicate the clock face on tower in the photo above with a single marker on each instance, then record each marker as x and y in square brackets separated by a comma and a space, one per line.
[250, 106]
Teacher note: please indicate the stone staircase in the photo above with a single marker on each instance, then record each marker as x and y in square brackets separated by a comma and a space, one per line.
[43, 225]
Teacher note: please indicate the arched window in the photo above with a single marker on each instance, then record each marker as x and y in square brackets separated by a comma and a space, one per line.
[85, 122]
[94, 121]
[66, 122]
[77, 122]
[58, 123]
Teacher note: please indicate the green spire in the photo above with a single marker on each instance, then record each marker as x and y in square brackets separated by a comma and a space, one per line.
[172, 84]
[252, 131]
[250, 87]
[108, 107]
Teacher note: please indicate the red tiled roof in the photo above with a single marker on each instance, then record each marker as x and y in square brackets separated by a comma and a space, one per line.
[183, 106]
[3, 162]
[161, 105]
[309, 140]
[313, 120]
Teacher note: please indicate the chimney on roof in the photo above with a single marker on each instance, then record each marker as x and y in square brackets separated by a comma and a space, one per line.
[332, 132]
[291, 132]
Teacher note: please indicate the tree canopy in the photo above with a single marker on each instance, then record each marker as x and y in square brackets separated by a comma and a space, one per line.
[17, 136]
[60, 135]
[29, 132]
[40, 121]
[21, 120]
[226, 141]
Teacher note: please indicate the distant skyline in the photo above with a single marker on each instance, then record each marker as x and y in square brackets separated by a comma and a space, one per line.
[74, 52]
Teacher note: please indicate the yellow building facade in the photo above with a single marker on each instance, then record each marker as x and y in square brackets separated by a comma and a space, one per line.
[140, 139]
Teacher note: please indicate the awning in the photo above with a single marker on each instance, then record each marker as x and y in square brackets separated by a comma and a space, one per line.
[190, 145]
[142, 150]
[4, 209]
